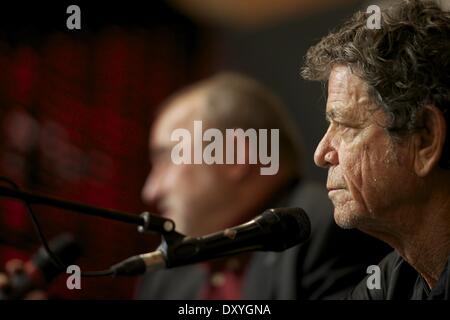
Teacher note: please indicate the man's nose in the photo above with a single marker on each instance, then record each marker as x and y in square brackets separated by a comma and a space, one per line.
[150, 191]
[325, 154]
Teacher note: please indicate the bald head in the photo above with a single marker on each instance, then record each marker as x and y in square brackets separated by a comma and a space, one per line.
[230, 100]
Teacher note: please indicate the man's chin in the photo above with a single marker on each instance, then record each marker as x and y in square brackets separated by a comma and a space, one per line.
[345, 220]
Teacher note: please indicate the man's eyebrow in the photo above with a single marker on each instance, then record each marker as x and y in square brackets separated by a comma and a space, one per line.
[332, 115]
[158, 150]
[329, 115]
[347, 118]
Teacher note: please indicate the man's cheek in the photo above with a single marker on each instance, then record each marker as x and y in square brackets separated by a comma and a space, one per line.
[345, 203]
[358, 197]
[352, 165]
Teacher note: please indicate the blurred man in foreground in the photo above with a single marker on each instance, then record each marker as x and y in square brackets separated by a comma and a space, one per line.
[387, 146]
[203, 198]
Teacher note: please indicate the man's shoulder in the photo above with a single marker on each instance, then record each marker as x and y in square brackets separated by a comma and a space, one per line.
[442, 289]
[390, 265]
[383, 279]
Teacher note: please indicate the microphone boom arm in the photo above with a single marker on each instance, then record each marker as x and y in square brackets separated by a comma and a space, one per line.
[146, 222]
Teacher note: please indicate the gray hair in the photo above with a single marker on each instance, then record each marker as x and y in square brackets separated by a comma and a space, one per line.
[406, 63]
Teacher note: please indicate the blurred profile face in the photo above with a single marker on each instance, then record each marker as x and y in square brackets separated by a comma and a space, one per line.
[369, 175]
[190, 194]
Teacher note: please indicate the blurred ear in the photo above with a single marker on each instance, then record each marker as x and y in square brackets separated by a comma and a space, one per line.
[429, 142]
[239, 171]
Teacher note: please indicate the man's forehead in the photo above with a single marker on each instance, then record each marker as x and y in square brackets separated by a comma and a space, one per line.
[342, 75]
[343, 83]
[181, 113]
[347, 94]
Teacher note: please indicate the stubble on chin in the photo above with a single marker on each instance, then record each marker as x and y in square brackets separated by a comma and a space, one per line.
[347, 213]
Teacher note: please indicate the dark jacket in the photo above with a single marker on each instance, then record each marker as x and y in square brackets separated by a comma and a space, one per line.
[400, 281]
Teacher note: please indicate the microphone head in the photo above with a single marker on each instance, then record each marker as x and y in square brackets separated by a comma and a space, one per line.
[285, 227]
[39, 271]
[65, 247]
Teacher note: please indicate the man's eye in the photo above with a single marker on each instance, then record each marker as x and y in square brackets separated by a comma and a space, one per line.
[338, 125]
[345, 125]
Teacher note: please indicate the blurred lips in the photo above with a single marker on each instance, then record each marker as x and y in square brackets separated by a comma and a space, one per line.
[163, 208]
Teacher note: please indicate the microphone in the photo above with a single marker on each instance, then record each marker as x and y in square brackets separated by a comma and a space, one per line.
[40, 270]
[274, 230]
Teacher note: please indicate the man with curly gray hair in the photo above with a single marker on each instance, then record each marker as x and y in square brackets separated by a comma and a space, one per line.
[387, 147]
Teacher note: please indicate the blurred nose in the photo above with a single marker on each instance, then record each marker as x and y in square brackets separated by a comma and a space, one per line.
[326, 155]
[151, 191]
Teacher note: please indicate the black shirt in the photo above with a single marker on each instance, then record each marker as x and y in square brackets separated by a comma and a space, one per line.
[400, 281]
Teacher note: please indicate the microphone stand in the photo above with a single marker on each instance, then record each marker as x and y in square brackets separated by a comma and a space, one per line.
[146, 222]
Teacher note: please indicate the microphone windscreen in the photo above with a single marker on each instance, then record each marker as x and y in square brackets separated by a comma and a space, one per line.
[64, 247]
[287, 227]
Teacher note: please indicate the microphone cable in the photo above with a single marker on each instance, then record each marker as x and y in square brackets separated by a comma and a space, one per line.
[37, 228]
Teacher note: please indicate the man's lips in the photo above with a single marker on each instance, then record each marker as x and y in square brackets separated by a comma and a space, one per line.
[162, 209]
[334, 188]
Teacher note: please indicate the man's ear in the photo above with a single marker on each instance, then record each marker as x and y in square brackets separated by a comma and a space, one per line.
[429, 141]
[240, 171]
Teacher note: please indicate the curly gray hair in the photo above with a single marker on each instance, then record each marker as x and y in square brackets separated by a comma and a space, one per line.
[405, 63]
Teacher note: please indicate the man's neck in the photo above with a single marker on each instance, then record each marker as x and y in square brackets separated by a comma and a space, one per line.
[423, 241]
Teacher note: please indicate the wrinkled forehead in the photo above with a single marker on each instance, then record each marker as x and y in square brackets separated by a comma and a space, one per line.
[348, 95]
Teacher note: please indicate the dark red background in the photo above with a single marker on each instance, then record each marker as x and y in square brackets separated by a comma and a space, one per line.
[75, 110]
